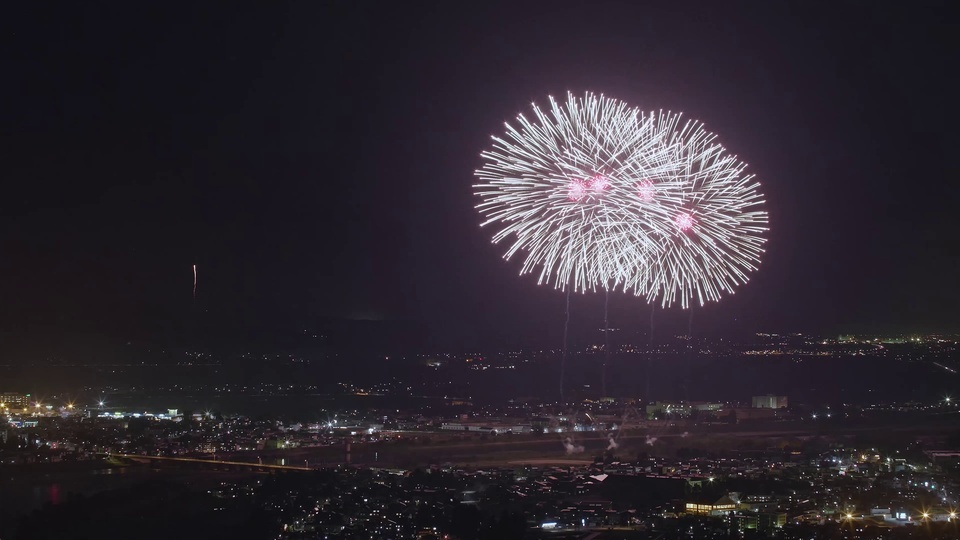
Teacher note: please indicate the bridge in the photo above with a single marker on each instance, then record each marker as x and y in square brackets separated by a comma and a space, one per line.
[236, 465]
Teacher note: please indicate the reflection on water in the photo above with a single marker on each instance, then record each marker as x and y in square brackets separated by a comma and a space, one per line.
[21, 493]
[24, 492]
[51, 493]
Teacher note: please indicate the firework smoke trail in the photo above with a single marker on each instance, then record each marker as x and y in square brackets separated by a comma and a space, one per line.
[653, 309]
[572, 448]
[606, 340]
[194, 282]
[612, 443]
[563, 356]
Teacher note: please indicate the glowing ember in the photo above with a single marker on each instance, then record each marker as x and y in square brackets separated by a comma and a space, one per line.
[597, 183]
[645, 190]
[685, 222]
[576, 190]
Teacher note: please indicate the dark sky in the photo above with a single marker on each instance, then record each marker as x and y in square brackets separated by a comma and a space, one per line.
[315, 159]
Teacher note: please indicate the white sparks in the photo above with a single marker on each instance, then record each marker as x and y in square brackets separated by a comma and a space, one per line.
[598, 195]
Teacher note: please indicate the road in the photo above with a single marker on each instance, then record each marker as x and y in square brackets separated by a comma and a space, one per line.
[518, 448]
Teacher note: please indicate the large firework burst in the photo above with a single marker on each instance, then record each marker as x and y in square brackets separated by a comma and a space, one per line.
[600, 195]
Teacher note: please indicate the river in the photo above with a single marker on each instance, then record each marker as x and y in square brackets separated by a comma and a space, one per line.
[23, 492]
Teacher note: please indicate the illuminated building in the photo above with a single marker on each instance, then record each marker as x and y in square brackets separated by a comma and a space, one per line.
[769, 521]
[744, 522]
[683, 409]
[12, 401]
[766, 522]
[769, 402]
[720, 507]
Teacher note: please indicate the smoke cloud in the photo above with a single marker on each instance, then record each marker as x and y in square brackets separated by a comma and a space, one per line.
[572, 448]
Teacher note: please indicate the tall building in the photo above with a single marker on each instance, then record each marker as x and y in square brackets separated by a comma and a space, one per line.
[769, 522]
[769, 402]
[12, 401]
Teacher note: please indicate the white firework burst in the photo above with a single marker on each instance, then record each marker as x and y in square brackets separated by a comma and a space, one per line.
[597, 194]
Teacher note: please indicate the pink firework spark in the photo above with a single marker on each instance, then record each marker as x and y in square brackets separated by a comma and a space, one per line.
[576, 190]
[598, 183]
[645, 190]
[194, 282]
[685, 222]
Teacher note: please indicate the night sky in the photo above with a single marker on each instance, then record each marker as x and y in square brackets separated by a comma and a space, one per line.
[315, 160]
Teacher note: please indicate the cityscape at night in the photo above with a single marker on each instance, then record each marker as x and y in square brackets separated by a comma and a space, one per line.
[480, 271]
[848, 437]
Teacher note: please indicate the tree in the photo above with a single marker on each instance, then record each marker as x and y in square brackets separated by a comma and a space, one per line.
[138, 426]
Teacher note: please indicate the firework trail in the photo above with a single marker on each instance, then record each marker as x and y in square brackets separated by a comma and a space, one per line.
[194, 282]
[563, 356]
[606, 342]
